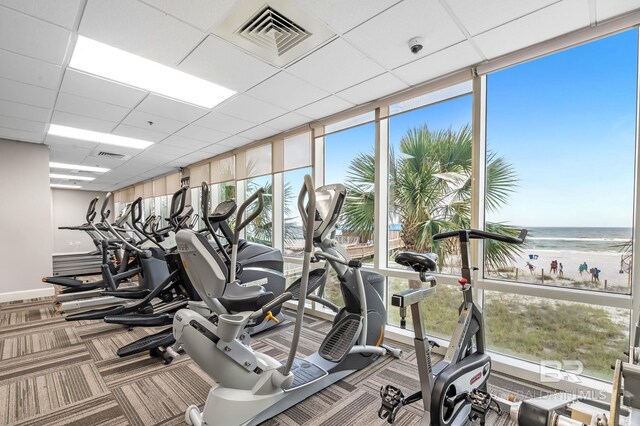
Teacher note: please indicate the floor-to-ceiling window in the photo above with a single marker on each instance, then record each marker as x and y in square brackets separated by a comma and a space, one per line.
[560, 157]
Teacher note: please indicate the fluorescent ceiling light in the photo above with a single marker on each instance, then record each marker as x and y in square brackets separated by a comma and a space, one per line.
[58, 185]
[105, 61]
[53, 165]
[70, 177]
[88, 135]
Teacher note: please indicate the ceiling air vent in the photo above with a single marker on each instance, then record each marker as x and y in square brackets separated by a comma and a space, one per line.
[111, 155]
[273, 30]
[278, 31]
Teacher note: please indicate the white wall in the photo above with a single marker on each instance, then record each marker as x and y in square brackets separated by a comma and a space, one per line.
[69, 209]
[26, 239]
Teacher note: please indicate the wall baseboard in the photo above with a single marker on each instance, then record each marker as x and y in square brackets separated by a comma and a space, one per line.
[27, 294]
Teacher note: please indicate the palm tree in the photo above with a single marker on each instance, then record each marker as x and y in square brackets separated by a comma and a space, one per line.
[430, 191]
[261, 229]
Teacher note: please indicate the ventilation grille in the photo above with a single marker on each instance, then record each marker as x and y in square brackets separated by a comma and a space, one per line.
[272, 30]
[111, 155]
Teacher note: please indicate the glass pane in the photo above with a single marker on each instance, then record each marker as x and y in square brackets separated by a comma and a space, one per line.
[261, 229]
[147, 207]
[196, 203]
[560, 162]
[258, 161]
[439, 311]
[293, 235]
[350, 159]
[430, 179]
[297, 151]
[538, 329]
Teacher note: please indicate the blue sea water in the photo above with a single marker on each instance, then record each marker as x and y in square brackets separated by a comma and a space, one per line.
[604, 240]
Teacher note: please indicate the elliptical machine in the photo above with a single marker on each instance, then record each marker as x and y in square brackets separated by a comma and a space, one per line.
[252, 386]
[453, 391]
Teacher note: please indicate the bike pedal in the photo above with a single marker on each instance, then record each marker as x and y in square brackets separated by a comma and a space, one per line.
[433, 344]
[392, 400]
[480, 404]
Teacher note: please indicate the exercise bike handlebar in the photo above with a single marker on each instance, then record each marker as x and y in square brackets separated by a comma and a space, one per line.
[484, 235]
[241, 224]
[308, 213]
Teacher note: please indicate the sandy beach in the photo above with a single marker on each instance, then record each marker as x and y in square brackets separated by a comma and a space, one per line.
[608, 263]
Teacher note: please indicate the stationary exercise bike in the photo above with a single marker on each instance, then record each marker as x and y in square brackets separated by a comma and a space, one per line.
[251, 385]
[453, 391]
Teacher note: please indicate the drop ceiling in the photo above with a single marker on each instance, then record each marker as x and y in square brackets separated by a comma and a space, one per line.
[361, 56]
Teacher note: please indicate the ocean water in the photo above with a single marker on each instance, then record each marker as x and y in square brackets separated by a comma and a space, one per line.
[603, 240]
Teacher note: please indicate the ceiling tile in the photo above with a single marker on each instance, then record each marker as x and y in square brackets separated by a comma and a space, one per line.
[32, 37]
[82, 122]
[59, 12]
[139, 133]
[320, 67]
[342, 15]
[288, 121]
[324, 107]
[191, 158]
[202, 134]
[90, 86]
[93, 160]
[215, 149]
[478, 17]
[28, 70]
[287, 91]
[259, 132]
[21, 124]
[90, 108]
[223, 123]
[181, 141]
[375, 88]
[438, 64]
[202, 14]
[250, 109]
[21, 135]
[385, 38]
[174, 151]
[60, 143]
[240, 71]
[157, 158]
[552, 21]
[26, 94]
[170, 108]
[159, 124]
[236, 141]
[606, 9]
[139, 29]
[72, 155]
[28, 112]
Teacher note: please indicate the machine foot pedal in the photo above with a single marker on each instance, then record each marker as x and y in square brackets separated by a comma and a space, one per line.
[316, 278]
[95, 314]
[153, 341]
[341, 338]
[304, 372]
[140, 320]
[392, 401]
[127, 294]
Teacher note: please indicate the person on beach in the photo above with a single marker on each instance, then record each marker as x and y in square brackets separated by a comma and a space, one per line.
[531, 267]
[583, 268]
[595, 274]
[554, 266]
[560, 271]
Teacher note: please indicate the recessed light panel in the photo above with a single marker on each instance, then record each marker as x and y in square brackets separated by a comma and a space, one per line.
[70, 177]
[88, 135]
[59, 185]
[53, 165]
[105, 61]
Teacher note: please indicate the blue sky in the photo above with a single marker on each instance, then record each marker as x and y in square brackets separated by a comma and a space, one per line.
[565, 122]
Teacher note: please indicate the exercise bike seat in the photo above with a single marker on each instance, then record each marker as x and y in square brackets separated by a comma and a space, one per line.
[237, 298]
[419, 262]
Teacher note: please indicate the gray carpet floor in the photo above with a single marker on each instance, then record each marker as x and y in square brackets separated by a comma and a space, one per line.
[54, 372]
